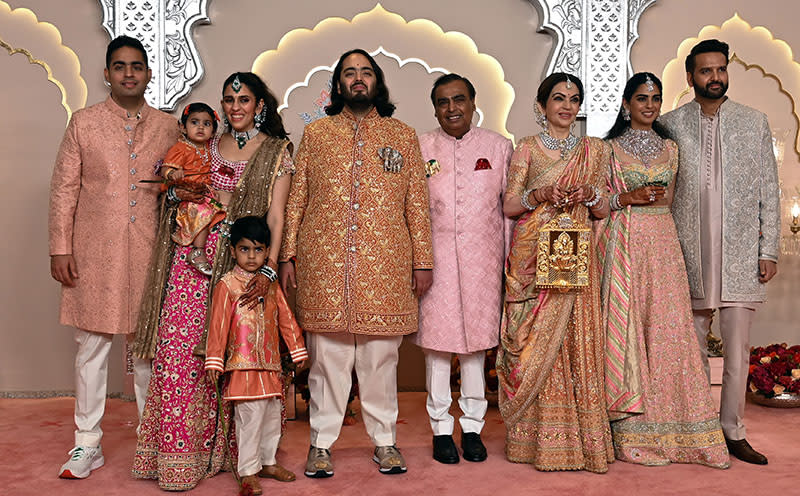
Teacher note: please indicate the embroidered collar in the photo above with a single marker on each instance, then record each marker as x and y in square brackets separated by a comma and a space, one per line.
[242, 274]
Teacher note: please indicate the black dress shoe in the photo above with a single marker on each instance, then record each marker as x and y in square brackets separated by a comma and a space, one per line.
[444, 449]
[742, 450]
[474, 450]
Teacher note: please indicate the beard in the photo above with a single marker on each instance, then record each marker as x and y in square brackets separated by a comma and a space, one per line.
[712, 94]
[358, 101]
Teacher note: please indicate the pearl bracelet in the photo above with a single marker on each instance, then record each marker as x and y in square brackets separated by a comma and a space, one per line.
[595, 199]
[524, 200]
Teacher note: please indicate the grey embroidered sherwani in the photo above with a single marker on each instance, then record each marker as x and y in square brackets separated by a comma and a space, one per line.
[750, 206]
[726, 211]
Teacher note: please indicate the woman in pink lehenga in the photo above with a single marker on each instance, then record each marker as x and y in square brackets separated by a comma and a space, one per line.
[657, 393]
[181, 439]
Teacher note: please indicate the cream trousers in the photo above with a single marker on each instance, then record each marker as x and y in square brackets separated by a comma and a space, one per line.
[734, 325]
[333, 357]
[473, 386]
[258, 431]
[91, 384]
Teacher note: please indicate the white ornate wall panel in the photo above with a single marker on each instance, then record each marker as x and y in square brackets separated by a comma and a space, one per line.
[593, 40]
[165, 29]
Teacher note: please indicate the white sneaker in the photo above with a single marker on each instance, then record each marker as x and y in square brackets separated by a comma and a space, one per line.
[83, 459]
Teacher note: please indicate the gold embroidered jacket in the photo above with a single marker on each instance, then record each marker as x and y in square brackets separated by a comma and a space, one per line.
[357, 226]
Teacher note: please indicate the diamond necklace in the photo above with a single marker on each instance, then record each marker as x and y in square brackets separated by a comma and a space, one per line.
[565, 145]
[244, 137]
[644, 144]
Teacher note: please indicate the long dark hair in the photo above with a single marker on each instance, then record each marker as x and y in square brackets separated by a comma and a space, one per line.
[382, 104]
[620, 125]
[272, 124]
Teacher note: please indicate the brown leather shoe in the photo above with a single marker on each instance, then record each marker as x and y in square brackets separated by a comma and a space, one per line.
[276, 472]
[250, 485]
[742, 450]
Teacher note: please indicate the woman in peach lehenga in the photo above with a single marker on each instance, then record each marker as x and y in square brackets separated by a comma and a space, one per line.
[550, 359]
[657, 392]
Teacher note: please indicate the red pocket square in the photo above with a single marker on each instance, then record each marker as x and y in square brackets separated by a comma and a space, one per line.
[482, 164]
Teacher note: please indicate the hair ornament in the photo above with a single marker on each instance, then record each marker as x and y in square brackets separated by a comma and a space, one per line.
[649, 83]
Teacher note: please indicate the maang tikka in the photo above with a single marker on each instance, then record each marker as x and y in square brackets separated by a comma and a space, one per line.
[649, 83]
[569, 83]
[236, 85]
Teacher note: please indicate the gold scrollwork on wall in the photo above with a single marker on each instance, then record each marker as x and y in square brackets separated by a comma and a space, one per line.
[20, 28]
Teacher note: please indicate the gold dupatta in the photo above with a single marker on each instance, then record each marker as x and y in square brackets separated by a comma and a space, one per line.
[535, 320]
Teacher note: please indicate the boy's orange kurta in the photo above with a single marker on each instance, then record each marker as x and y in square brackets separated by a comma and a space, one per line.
[103, 216]
[245, 343]
[357, 230]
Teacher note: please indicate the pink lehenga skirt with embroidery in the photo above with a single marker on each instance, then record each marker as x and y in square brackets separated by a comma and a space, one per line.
[180, 439]
[680, 422]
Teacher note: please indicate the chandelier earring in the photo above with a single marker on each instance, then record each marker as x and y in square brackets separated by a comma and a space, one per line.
[626, 114]
[259, 118]
[541, 119]
[225, 122]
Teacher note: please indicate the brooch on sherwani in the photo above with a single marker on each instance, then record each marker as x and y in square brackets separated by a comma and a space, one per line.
[431, 168]
[482, 164]
[392, 159]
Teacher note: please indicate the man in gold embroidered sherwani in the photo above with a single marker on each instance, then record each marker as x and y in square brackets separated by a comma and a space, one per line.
[726, 211]
[358, 239]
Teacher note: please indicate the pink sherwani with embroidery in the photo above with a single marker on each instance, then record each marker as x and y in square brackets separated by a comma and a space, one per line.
[103, 216]
[461, 311]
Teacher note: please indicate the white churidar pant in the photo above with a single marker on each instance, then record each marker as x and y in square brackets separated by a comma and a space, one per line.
[473, 386]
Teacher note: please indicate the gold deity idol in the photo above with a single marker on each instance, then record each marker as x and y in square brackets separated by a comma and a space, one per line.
[563, 257]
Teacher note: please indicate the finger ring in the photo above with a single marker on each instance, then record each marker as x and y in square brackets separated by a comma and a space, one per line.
[652, 198]
[261, 299]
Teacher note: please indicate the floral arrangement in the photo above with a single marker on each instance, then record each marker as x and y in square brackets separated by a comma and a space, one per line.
[774, 370]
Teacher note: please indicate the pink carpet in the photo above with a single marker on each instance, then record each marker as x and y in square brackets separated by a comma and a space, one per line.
[35, 436]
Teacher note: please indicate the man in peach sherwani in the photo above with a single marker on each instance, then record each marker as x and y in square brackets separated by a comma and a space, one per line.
[102, 228]
[358, 229]
[460, 314]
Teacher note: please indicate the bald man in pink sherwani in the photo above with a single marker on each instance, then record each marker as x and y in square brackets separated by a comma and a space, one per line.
[460, 313]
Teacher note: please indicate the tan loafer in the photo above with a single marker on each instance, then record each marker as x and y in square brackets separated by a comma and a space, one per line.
[250, 485]
[276, 472]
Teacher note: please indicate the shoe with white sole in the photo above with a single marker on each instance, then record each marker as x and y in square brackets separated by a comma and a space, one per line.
[83, 459]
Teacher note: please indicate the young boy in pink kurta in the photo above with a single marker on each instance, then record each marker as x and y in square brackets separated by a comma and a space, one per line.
[243, 343]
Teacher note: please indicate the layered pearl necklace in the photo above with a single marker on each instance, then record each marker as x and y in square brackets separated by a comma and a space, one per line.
[565, 145]
[644, 144]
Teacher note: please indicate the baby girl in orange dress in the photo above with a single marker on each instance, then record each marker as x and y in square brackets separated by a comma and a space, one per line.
[188, 161]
